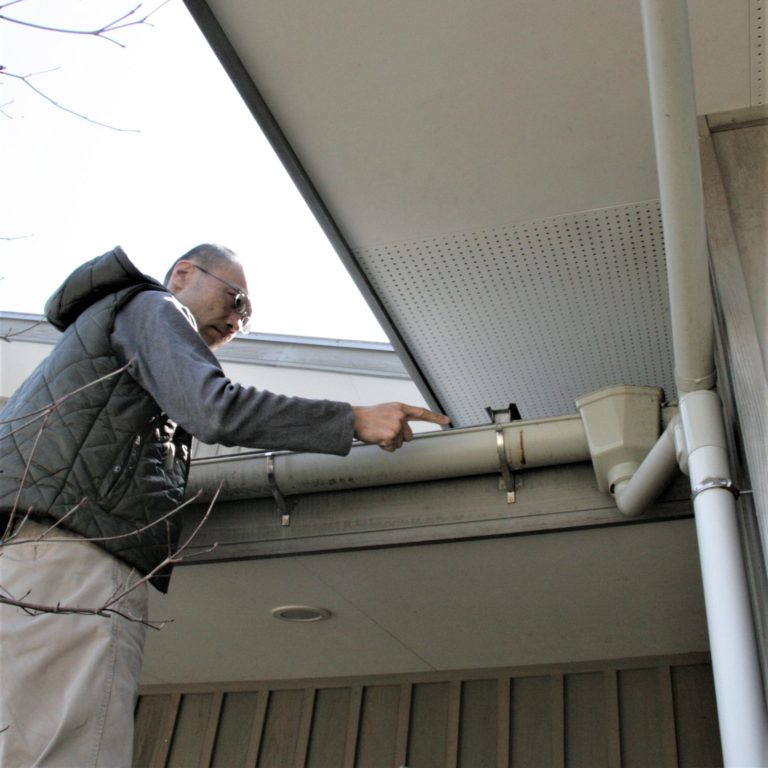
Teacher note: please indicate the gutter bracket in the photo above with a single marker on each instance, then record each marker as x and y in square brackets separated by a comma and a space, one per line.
[507, 479]
[283, 504]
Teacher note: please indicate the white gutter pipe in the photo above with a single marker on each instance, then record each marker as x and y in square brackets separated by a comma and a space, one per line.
[740, 700]
[430, 456]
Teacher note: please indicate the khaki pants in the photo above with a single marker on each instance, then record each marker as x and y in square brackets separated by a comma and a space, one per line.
[68, 683]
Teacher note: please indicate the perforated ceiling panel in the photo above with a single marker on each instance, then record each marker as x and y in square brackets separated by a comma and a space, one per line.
[536, 314]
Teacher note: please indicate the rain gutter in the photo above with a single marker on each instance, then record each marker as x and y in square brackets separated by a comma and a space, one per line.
[430, 456]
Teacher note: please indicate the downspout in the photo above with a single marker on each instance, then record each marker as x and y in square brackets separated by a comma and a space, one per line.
[740, 700]
[634, 495]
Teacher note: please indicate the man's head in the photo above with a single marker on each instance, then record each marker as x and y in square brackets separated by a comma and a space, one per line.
[209, 280]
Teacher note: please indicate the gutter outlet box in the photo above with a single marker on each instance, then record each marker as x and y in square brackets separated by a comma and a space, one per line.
[622, 424]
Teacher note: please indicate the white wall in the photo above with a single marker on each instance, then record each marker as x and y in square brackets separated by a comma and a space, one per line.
[17, 360]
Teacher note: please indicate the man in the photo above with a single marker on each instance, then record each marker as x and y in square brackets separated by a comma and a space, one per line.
[94, 456]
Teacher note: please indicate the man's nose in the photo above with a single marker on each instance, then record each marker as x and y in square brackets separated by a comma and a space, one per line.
[235, 321]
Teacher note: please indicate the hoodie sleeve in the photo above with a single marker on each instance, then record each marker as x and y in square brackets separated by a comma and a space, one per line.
[156, 336]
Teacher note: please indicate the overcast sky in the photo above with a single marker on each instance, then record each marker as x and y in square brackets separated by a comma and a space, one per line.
[194, 168]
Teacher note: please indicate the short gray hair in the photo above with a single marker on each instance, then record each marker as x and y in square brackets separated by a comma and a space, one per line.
[206, 255]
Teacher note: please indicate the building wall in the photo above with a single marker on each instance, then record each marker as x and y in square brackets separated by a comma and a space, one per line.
[742, 155]
[17, 360]
[734, 151]
[653, 712]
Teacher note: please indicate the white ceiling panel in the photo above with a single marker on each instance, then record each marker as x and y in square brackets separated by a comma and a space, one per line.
[417, 119]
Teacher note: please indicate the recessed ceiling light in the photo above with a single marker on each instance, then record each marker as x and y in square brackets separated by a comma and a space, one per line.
[301, 613]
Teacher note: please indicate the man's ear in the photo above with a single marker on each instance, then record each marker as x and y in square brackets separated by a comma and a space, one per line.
[180, 276]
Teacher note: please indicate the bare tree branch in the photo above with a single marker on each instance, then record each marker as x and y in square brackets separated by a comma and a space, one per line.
[45, 414]
[26, 80]
[95, 539]
[103, 31]
[175, 557]
[34, 609]
[14, 531]
[56, 403]
[11, 333]
[108, 606]
[26, 469]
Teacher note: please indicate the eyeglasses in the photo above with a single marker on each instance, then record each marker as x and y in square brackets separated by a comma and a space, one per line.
[241, 302]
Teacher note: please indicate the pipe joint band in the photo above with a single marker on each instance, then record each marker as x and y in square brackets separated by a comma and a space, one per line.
[715, 482]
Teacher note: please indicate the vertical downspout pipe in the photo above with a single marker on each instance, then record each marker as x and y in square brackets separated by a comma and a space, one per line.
[738, 690]
[740, 702]
[673, 108]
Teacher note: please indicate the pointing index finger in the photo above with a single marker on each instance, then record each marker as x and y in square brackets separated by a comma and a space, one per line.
[412, 413]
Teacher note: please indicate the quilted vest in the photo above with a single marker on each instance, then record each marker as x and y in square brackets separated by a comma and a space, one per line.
[81, 442]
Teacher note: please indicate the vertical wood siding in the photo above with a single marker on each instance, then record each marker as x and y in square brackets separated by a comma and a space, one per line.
[656, 713]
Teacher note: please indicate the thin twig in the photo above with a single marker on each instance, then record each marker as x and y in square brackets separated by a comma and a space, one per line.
[39, 412]
[34, 609]
[95, 539]
[26, 468]
[13, 531]
[45, 415]
[175, 557]
[25, 79]
[107, 608]
[103, 32]
[11, 333]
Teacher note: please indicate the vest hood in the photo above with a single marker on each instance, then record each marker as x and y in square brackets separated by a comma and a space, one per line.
[90, 283]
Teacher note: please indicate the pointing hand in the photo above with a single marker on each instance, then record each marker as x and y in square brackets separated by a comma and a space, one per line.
[387, 426]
